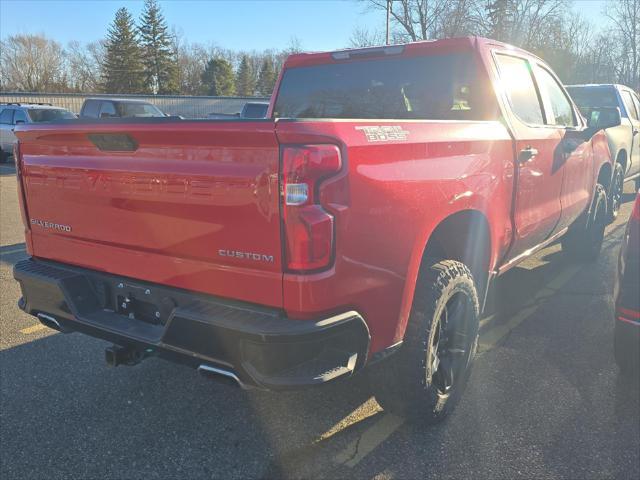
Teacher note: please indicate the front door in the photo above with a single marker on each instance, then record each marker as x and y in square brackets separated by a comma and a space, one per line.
[632, 106]
[573, 156]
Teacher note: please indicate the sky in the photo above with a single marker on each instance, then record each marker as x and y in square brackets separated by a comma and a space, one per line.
[237, 25]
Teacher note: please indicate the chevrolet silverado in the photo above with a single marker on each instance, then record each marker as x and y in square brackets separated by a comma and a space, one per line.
[362, 222]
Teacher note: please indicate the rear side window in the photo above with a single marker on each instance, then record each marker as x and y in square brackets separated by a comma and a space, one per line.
[6, 117]
[19, 115]
[39, 115]
[437, 87]
[558, 108]
[517, 82]
[91, 109]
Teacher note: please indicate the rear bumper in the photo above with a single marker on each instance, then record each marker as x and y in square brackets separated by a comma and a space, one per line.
[257, 347]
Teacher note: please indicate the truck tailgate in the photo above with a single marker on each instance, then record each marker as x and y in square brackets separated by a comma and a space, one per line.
[188, 204]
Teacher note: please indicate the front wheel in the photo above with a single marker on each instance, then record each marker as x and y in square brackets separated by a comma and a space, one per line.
[425, 379]
[583, 241]
[615, 193]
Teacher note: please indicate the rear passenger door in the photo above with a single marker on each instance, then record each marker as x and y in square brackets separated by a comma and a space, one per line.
[633, 112]
[538, 176]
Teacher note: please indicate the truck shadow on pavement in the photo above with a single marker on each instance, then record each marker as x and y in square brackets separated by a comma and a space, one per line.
[12, 254]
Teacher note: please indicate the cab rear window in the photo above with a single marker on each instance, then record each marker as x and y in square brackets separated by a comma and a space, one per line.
[438, 87]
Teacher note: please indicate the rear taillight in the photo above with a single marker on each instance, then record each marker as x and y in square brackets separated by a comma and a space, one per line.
[308, 227]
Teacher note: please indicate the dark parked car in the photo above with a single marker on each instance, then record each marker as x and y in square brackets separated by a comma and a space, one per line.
[117, 108]
[627, 330]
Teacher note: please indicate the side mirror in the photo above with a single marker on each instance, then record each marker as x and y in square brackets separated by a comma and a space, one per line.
[603, 117]
[19, 122]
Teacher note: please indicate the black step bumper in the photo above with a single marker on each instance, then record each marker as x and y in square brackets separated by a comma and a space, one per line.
[255, 346]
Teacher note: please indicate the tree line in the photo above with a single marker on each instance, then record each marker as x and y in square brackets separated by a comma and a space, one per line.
[147, 57]
[143, 57]
[576, 49]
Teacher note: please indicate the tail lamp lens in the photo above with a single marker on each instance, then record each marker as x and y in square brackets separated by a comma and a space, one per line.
[308, 227]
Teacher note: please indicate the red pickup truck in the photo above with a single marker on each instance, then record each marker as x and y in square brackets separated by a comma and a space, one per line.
[366, 217]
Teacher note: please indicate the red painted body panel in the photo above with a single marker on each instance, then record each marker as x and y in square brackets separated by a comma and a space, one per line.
[398, 192]
[163, 212]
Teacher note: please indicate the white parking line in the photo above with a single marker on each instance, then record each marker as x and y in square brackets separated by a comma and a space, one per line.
[366, 443]
[15, 250]
[33, 329]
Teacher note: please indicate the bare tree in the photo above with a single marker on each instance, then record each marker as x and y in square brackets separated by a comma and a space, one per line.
[83, 63]
[32, 63]
[363, 37]
[625, 15]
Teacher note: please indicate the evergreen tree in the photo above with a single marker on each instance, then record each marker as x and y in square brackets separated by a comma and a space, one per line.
[245, 84]
[122, 66]
[218, 79]
[160, 64]
[267, 77]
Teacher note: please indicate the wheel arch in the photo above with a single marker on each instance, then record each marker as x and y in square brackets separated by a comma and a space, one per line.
[464, 236]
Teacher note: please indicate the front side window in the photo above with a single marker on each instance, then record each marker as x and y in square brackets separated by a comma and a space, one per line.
[6, 117]
[138, 110]
[517, 82]
[629, 105]
[433, 87]
[558, 108]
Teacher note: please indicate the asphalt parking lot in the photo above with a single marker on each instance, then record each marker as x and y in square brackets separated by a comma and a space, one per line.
[545, 399]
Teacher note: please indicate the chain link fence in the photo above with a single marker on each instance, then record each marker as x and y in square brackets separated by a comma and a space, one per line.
[186, 106]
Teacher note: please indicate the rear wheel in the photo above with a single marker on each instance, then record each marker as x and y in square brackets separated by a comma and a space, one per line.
[583, 241]
[425, 379]
[615, 193]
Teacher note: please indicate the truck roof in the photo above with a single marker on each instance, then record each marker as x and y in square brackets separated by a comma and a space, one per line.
[407, 49]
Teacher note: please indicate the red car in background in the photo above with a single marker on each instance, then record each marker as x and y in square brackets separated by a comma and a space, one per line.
[627, 330]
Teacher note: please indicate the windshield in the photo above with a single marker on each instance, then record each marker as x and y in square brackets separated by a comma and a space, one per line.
[587, 98]
[38, 115]
[442, 87]
[138, 110]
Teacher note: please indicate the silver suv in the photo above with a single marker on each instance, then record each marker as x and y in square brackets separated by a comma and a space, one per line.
[12, 114]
